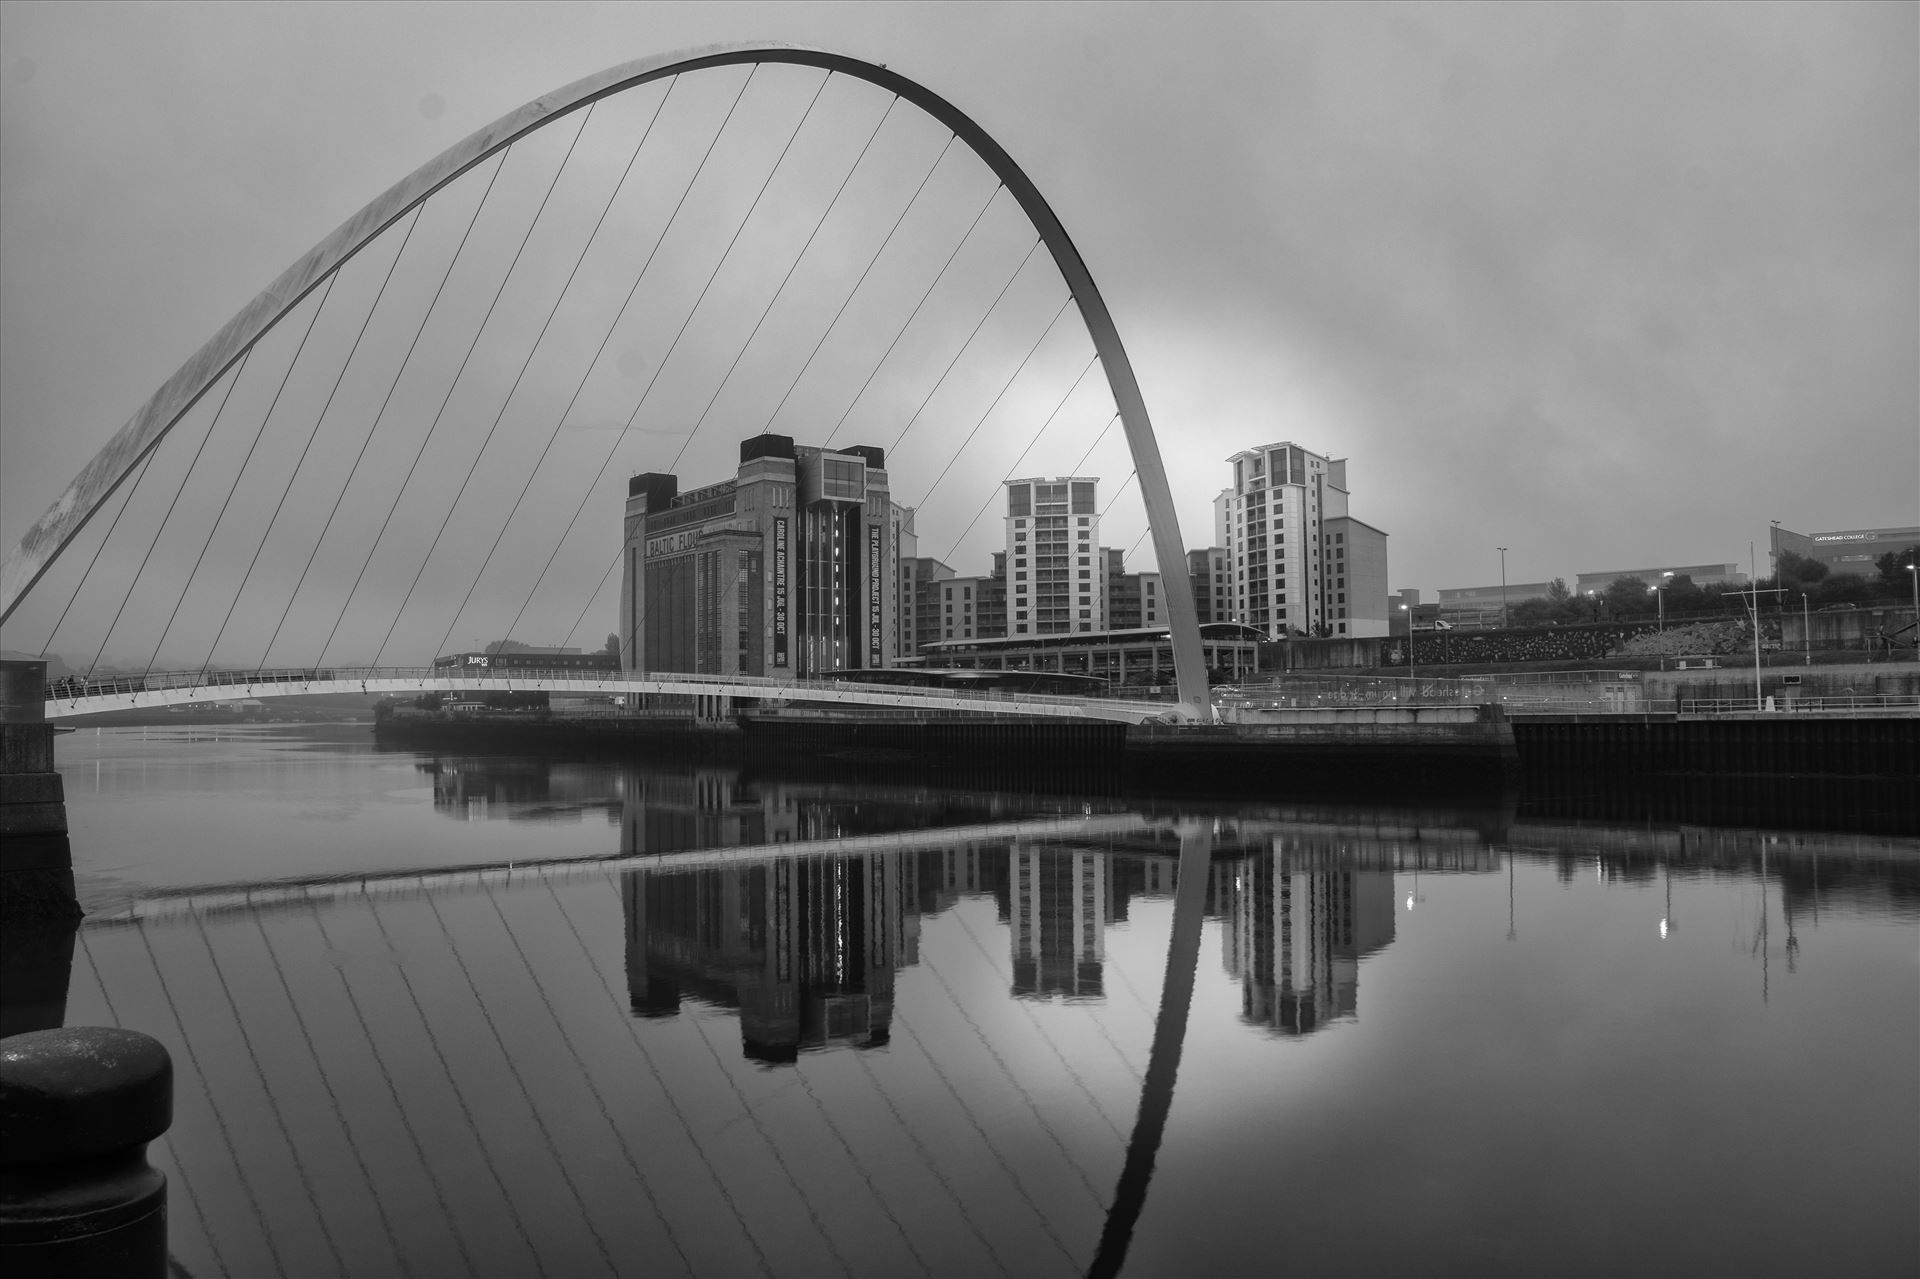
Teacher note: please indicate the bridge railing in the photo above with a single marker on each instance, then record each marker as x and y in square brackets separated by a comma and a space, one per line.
[1788, 705]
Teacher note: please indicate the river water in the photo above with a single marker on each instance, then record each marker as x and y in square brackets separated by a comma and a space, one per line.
[444, 1015]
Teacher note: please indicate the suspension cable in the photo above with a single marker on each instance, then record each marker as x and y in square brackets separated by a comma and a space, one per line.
[1081, 464]
[127, 501]
[404, 369]
[534, 470]
[871, 263]
[444, 400]
[991, 308]
[715, 273]
[843, 306]
[294, 475]
[768, 310]
[605, 462]
[591, 598]
[318, 307]
[477, 333]
[1091, 361]
[916, 309]
[210, 531]
[380, 416]
[1031, 351]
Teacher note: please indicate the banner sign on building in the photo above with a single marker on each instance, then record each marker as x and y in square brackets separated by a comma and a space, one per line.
[874, 645]
[780, 590]
[671, 543]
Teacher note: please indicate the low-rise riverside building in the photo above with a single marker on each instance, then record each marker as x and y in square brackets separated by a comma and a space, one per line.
[1850, 550]
[1231, 652]
[1702, 575]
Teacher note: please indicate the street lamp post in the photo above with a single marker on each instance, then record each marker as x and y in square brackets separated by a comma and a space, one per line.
[1659, 590]
[1503, 586]
[1913, 571]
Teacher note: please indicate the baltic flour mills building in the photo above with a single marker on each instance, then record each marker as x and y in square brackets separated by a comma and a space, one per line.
[788, 568]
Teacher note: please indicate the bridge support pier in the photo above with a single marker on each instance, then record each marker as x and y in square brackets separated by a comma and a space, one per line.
[38, 908]
[36, 865]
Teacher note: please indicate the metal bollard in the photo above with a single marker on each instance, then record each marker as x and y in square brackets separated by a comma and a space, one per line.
[77, 1195]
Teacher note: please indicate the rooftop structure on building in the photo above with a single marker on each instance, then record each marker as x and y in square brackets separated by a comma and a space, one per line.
[1701, 574]
[1052, 537]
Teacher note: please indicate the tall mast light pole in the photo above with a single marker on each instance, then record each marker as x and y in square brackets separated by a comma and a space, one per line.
[1503, 586]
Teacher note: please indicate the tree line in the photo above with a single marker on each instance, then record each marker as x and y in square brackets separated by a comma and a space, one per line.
[1807, 583]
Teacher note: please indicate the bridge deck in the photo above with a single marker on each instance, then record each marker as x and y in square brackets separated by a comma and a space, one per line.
[69, 697]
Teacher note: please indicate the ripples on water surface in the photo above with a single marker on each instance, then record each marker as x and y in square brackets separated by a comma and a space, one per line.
[439, 1015]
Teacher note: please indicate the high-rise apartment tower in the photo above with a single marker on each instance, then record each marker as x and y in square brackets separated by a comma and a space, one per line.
[1297, 562]
[1054, 576]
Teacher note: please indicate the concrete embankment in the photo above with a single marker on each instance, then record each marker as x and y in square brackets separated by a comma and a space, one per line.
[1362, 750]
[1853, 771]
[1350, 751]
[1858, 745]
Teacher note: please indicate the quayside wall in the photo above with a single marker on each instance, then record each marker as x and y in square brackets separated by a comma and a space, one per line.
[1433, 750]
[1860, 745]
[1451, 752]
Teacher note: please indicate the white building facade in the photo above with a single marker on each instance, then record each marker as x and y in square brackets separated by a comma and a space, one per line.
[1055, 577]
[1296, 560]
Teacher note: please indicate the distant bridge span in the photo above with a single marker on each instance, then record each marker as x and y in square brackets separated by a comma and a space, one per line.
[191, 688]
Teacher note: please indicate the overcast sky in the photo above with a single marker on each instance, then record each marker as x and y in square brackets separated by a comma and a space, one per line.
[1608, 285]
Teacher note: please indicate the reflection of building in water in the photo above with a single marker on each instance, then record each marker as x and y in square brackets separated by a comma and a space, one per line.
[1295, 930]
[963, 870]
[1058, 917]
[707, 808]
[804, 949]
[480, 788]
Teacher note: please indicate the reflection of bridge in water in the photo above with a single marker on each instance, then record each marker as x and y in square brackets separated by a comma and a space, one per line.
[786, 1055]
[405, 1073]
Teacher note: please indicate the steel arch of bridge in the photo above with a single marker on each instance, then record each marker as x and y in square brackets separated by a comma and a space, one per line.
[99, 479]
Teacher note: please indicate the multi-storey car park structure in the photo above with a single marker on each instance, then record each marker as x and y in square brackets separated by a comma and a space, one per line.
[1297, 561]
[1143, 656]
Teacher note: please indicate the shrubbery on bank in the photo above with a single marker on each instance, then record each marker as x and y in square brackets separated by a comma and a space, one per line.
[1732, 636]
